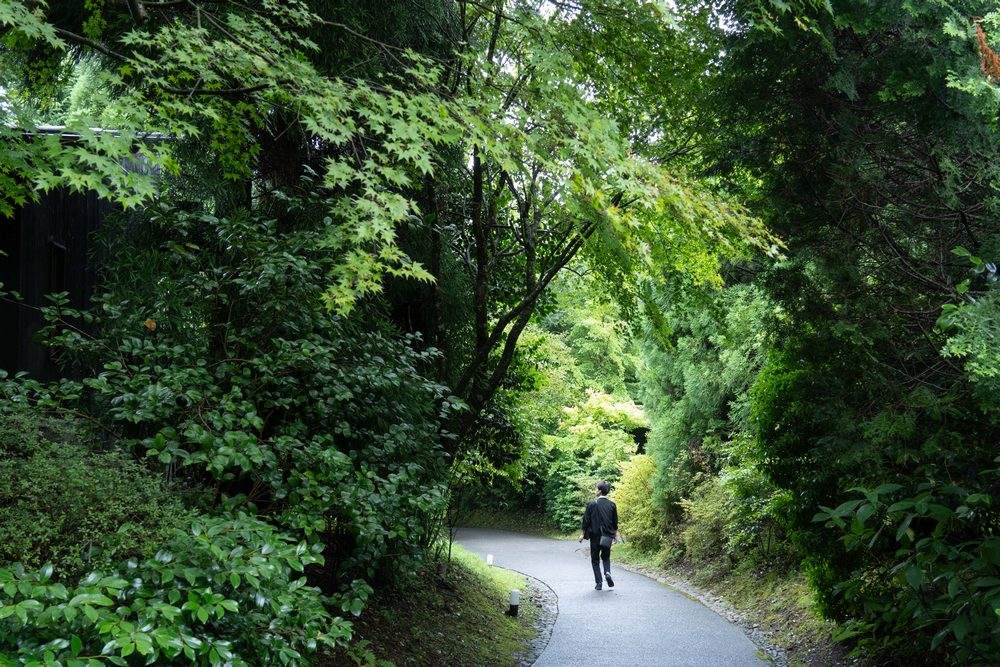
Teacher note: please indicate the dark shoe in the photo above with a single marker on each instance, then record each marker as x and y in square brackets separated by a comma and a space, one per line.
[611, 582]
[597, 586]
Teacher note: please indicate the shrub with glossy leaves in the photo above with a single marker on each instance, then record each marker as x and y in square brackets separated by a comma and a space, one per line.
[217, 357]
[229, 592]
[944, 575]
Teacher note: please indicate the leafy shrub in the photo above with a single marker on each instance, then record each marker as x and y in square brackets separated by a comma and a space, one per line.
[736, 517]
[225, 593]
[72, 507]
[22, 431]
[705, 514]
[638, 517]
[944, 576]
[911, 576]
[218, 357]
[567, 489]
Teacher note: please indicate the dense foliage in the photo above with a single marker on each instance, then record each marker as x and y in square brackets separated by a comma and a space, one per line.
[56, 485]
[841, 392]
[833, 412]
[369, 269]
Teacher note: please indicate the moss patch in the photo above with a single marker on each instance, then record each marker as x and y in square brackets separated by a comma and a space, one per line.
[454, 618]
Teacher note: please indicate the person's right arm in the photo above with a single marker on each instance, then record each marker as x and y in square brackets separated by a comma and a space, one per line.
[585, 522]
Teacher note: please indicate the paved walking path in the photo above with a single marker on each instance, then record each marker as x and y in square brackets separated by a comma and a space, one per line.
[638, 622]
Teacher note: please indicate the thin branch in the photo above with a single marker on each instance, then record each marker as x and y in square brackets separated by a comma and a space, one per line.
[94, 44]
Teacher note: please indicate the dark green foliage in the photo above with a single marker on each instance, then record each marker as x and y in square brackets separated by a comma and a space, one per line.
[73, 507]
[227, 367]
[219, 364]
[944, 574]
[225, 592]
[872, 158]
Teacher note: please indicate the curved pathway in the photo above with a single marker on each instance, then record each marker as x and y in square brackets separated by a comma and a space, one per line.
[638, 622]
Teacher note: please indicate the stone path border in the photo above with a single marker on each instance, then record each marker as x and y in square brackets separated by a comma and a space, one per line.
[548, 611]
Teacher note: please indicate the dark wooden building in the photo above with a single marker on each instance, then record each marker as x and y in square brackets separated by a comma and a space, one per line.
[47, 247]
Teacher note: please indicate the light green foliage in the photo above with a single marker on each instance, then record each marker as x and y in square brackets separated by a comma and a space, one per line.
[227, 592]
[566, 491]
[695, 389]
[549, 135]
[598, 431]
[210, 75]
[580, 350]
[573, 432]
[593, 327]
[734, 517]
[639, 519]
[975, 338]
[558, 379]
[973, 326]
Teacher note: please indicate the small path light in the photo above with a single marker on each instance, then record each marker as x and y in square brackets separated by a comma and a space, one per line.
[489, 559]
[515, 601]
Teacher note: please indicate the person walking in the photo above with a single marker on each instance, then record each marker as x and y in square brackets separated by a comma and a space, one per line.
[600, 525]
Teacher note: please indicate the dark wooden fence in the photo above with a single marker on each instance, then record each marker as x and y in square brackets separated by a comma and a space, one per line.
[48, 248]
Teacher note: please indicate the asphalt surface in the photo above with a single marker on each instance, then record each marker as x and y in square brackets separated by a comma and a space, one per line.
[638, 622]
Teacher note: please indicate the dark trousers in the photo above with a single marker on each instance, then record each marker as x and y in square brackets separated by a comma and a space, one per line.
[598, 554]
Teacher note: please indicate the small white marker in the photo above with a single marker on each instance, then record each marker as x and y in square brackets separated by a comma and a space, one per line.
[489, 559]
[515, 601]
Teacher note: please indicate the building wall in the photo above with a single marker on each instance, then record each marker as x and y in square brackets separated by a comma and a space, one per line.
[49, 246]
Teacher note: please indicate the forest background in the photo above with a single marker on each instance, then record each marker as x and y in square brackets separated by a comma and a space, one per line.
[376, 269]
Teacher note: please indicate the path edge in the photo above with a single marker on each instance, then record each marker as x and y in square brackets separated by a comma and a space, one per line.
[548, 611]
[758, 637]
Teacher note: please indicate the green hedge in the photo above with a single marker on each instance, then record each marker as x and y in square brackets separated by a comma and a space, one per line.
[75, 508]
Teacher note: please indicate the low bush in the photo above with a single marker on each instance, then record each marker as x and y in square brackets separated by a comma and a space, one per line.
[227, 592]
[69, 506]
[638, 518]
[735, 517]
[705, 514]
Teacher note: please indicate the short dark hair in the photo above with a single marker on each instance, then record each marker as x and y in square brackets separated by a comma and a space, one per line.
[603, 488]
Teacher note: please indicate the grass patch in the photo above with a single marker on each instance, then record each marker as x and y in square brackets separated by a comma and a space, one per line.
[528, 523]
[782, 604]
[456, 618]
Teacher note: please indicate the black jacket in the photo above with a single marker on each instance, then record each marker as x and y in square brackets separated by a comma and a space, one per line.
[600, 518]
